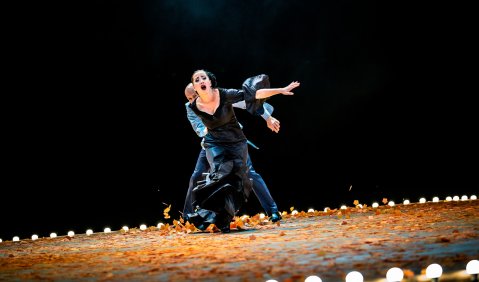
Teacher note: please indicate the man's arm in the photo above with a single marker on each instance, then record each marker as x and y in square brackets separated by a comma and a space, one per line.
[271, 122]
[195, 122]
[268, 109]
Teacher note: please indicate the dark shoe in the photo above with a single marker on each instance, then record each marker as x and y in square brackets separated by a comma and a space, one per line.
[275, 217]
[201, 218]
[225, 229]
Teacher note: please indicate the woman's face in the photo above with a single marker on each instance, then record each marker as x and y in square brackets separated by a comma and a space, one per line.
[201, 81]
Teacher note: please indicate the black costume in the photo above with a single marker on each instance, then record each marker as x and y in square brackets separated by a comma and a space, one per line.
[219, 198]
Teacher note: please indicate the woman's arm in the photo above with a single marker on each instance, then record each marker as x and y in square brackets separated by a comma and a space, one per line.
[268, 92]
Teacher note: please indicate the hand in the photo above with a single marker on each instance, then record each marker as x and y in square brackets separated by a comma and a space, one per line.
[291, 86]
[273, 124]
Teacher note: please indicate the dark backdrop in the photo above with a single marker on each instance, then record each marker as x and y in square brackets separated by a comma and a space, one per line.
[95, 132]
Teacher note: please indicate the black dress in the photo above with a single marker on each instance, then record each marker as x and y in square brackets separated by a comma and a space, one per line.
[227, 188]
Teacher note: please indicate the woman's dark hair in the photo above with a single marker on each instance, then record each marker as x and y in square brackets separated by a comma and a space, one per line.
[210, 75]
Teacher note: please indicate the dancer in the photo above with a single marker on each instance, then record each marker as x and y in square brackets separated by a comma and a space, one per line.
[227, 187]
[259, 186]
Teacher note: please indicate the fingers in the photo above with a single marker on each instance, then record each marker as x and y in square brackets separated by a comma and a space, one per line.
[294, 84]
[275, 125]
[276, 128]
[290, 87]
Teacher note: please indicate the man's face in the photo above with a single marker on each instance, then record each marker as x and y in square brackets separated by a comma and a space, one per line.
[190, 93]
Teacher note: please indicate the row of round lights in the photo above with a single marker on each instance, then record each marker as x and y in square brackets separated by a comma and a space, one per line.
[405, 202]
[294, 212]
[88, 232]
[396, 274]
[434, 200]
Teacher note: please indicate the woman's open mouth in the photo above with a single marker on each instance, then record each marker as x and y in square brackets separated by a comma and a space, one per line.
[203, 87]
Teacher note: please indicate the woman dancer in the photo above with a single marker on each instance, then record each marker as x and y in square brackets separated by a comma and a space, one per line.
[227, 187]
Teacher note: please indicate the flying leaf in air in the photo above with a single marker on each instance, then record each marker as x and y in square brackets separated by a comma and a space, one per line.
[166, 211]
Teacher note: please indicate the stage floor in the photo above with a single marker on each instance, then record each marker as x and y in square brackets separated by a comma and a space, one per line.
[325, 244]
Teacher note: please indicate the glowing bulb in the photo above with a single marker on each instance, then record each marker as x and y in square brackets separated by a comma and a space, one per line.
[160, 225]
[311, 210]
[295, 212]
[448, 198]
[313, 278]
[433, 271]
[354, 276]
[261, 216]
[455, 198]
[89, 232]
[435, 200]
[406, 202]
[34, 237]
[473, 197]
[71, 233]
[125, 228]
[107, 230]
[375, 205]
[143, 227]
[422, 200]
[343, 207]
[53, 235]
[394, 274]
[271, 280]
[472, 267]
[16, 239]
[391, 203]
[326, 209]
[464, 198]
[1, 241]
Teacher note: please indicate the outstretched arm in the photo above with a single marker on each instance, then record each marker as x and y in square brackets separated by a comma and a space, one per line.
[268, 92]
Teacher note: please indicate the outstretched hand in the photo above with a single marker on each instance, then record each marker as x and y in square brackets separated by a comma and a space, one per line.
[291, 86]
[273, 124]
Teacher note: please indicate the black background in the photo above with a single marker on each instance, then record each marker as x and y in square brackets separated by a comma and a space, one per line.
[95, 132]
